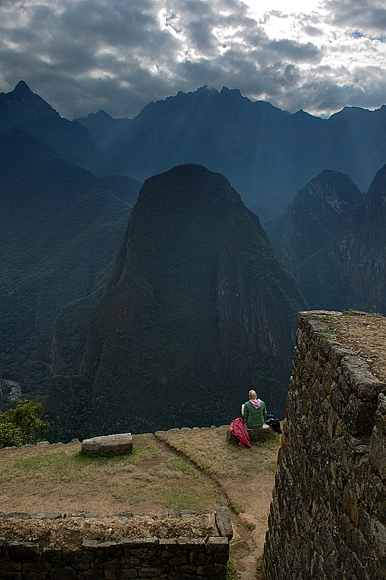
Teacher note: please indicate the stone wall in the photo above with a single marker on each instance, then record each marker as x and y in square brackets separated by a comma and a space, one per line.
[151, 558]
[328, 513]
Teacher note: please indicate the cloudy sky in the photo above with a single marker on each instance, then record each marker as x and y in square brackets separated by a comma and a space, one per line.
[118, 55]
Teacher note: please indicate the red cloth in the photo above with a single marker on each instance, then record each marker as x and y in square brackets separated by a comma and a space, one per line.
[237, 428]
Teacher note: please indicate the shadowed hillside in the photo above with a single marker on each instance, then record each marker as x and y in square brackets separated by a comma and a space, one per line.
[349, 272]
[197, 309]
[60, 227]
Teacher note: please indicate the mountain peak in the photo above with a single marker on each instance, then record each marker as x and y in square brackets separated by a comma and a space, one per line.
[186, 290]
[22, 87]
[22, 106]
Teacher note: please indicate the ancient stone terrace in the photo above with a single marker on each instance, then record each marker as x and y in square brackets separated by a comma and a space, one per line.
[328, 514]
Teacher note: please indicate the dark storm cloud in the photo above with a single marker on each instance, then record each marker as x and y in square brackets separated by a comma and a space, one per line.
[84, 53]
[361, 14]
[295, 51]
[118, 55]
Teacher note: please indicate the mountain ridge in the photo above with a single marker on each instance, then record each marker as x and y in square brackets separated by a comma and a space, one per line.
[266, 153]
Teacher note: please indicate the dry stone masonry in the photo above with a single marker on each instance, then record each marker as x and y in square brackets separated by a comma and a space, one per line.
[146, 558]
[328, 514]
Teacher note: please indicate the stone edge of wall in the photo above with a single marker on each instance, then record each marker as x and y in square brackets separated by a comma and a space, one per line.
[348, 414]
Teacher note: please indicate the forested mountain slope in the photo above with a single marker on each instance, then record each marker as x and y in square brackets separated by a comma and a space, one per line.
[196, 311]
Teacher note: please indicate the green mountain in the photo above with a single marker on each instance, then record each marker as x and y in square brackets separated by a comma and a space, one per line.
[197, 311]
[350, 271]
[60, 227]
[315, 214]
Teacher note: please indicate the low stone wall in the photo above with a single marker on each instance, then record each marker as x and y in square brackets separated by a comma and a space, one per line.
[179, 558]
[328, 514]
[145, 558]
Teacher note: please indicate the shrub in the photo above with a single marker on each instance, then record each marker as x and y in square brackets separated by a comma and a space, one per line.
[10, 434]
[22, 425]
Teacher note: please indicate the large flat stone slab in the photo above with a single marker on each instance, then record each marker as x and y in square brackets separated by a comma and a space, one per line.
[118, 443]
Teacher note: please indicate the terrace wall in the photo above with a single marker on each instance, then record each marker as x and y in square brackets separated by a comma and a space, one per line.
[328, 514]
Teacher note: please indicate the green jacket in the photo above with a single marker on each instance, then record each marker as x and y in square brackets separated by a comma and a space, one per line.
[254, 417]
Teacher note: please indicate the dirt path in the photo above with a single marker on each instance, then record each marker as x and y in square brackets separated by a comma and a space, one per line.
[249, 496]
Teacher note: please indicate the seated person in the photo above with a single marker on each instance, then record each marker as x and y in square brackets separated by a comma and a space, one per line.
[254, 412]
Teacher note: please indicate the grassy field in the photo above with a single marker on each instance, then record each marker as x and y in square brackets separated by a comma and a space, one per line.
[210, 452]
[172, 470]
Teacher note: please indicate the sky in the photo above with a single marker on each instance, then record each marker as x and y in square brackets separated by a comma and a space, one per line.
[82, 56]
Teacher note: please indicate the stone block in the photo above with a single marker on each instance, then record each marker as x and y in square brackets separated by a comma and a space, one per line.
[94, 574]
[52, 555]
[336, 398]
[114, 444]
[359, 416]
[46, 516]
[89, 544]
[177, 561]
[337, 353]
[378, 452]
[65, 573]
[111, 574]
[128, 574]
[224, 522]
[125, 514]
[79, 559]
[9, 567]
[23, 552]
[148, 572]
[217, 545]
[380, 416]
[35, 568]
[11, 575]
[108, 551]
[375, 497]
[364, 384]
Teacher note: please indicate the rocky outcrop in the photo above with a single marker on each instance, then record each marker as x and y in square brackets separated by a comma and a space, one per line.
[327, 517]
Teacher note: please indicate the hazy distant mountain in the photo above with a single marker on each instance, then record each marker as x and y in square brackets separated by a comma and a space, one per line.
[350, 271]
[197, 311]
[60, 227]
[267, 154]
[315, 214]
[104, 129]
[23, 109]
